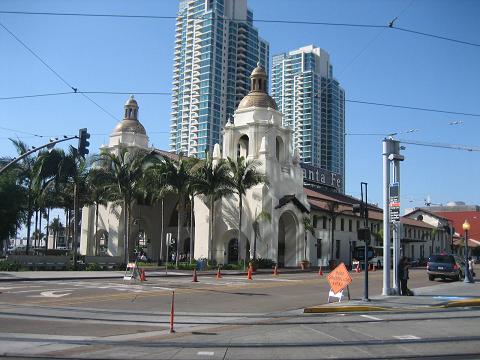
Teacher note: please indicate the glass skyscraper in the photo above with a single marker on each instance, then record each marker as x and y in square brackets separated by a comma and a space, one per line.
[313, 104]
[216, 49]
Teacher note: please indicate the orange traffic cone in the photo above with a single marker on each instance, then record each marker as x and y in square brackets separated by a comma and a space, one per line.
[275, 271]
[320, 271]
[219, 274]
[142, 275]
[194, 276]
[249, 274]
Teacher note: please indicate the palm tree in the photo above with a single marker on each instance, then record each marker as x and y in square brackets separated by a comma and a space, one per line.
[56, 226]
[244, 176]
[332, 212]
[212, 182]
[309, 228]
[262, 216]
[99, 195]
[122, 173]
[154, 189]
[179, 178]
[24, 170]
[73, 174]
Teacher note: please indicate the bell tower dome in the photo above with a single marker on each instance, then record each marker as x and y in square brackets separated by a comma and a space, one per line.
[129, 131]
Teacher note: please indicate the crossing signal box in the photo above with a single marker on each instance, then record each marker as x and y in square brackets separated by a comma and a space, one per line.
[83, 142]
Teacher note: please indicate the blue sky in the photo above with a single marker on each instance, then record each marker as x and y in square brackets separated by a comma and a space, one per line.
[377, 65]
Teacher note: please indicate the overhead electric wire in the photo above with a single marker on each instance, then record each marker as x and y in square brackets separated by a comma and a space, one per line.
[272, 21]
[54, 72]
[411, 108]
[439, 145]
[169, 93]
[36, 95]
[21, 132]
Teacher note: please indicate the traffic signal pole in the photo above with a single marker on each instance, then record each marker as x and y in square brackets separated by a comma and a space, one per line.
[49, 145]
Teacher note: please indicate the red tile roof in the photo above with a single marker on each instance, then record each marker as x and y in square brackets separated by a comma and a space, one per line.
[458, 217]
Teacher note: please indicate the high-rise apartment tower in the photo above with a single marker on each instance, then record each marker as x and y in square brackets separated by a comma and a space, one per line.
[216, 49]
[313, 104]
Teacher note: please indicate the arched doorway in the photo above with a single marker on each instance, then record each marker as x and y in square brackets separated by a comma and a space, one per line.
[101, 242]
[287, 240]
[232, 251]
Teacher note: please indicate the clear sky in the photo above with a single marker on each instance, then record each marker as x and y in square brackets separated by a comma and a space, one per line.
[372, 64]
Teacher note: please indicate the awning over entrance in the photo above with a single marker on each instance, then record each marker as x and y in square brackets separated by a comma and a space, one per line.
[293, 199]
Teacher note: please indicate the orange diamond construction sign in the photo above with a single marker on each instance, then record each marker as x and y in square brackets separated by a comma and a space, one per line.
[339, 278]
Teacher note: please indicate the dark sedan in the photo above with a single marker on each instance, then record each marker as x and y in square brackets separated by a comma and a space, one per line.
[445, 267]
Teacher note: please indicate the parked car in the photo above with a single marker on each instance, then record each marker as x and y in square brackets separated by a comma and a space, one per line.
[445, 267]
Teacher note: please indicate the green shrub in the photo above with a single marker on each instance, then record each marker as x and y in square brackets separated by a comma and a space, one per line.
[232, 266]
[186, 266]
[93, 267]
[7, 266]
[261, 263]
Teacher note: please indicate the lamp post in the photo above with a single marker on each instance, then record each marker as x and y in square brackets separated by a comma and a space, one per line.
[468, 275]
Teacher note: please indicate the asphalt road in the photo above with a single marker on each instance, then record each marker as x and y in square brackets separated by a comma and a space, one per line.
[228, 318]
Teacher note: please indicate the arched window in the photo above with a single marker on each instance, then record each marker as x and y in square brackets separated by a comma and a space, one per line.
[279, 149]
[242, 147]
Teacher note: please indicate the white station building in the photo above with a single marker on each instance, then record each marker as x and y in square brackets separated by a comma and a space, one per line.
[256, 132]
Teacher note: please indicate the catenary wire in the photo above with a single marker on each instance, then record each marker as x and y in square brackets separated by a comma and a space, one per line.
[169, 93]
[272, 21]
[439, 145]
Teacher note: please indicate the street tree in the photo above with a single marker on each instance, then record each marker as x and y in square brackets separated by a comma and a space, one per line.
[212, 182]
[244, 176]
[122, 172]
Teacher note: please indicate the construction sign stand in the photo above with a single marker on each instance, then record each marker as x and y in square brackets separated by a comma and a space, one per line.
[131, 272]
[339, 279]
[338, 295]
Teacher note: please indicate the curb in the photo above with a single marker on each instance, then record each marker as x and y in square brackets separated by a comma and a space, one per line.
[324, 309]
[343, 308]
[462, 303]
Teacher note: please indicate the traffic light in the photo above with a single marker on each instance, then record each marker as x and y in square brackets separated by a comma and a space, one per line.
[83, 142]
[360, 209]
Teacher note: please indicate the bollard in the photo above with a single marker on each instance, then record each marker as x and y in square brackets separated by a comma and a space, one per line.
[320, 271]
[172, 312]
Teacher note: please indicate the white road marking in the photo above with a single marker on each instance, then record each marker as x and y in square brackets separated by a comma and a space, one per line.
[15, 287]
[371, 317]
[407, 337]
[205, 353]
[321, 332]
[50, 294]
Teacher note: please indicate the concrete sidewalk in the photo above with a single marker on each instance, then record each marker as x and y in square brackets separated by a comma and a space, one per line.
[438, 296]
[150, 272]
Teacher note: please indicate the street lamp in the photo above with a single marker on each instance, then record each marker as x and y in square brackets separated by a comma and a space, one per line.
[468, 275]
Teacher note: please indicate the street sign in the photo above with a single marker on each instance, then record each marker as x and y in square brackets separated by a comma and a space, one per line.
[339, 278]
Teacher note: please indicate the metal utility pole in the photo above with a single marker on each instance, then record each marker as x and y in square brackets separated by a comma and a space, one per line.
[364, 185]
[363, 233]
[391, 210]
